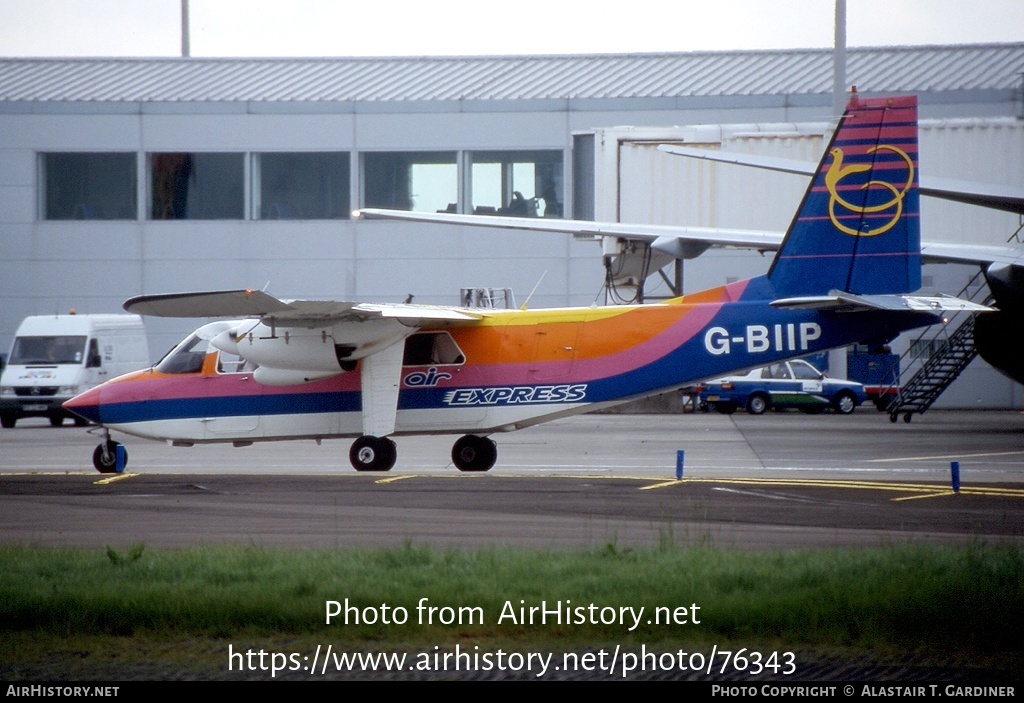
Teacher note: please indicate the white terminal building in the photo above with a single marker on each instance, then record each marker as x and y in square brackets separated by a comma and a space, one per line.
[121, 177]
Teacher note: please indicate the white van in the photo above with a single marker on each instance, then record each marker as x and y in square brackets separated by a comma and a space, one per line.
[56, 357]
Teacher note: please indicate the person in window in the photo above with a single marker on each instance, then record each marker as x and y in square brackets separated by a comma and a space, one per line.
[171, 174]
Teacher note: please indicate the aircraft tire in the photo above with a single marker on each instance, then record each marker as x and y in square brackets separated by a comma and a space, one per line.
[474, 453]
[369, 453]
[104, 457]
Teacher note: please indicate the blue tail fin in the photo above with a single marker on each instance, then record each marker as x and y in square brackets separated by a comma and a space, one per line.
[858, 227]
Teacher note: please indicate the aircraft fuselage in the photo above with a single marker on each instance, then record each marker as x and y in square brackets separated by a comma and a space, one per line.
[512, 369]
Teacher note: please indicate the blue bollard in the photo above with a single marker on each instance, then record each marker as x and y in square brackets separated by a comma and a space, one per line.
[954, 467]
[119, 459]
[679, 463]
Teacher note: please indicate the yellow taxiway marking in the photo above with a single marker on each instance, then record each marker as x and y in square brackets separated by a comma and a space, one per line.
[927, 495]
[928, 490]
[943, 457]
[111, 479]
[663, 484]
[392, 479]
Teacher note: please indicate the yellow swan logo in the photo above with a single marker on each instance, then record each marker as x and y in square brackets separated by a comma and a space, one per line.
[837, 172]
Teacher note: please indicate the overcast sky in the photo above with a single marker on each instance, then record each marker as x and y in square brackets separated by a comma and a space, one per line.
[471, 27]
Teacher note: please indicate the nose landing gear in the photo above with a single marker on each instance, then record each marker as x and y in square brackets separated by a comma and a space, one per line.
[110, 457]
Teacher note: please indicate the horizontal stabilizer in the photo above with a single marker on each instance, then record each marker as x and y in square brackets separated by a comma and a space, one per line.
[839, 301]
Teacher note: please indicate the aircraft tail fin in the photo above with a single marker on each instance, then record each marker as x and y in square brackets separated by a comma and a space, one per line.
[858, 227]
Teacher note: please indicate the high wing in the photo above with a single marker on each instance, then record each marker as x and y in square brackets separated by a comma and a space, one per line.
[663, 238]
[689, 242]
[988, 195]
[300, 341]
[254, 303]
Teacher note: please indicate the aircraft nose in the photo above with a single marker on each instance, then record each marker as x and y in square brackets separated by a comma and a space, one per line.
[86, 405]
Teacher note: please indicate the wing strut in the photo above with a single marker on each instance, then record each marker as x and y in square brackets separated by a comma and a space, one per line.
[381, 378]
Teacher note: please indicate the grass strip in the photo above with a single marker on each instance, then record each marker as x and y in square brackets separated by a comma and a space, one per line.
[923, 597]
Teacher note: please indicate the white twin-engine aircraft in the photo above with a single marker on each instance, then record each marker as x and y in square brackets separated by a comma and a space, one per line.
[319, 369]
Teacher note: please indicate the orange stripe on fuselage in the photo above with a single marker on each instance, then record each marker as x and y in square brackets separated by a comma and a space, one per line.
[505, 336]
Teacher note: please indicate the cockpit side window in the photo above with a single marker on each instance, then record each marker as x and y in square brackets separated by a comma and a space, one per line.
[187, 357]
[232, 363]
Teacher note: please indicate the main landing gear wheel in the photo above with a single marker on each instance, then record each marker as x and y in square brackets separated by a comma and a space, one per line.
[369, 453]
[104, 458]
[474, 453]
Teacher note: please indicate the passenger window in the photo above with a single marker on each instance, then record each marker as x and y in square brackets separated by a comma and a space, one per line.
[432, 348]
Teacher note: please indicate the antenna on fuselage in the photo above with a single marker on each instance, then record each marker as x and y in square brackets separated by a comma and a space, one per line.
[527, 301]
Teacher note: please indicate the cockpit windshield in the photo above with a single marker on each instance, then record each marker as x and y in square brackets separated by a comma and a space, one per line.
[187, 357]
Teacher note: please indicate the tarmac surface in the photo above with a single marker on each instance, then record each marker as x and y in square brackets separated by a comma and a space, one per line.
[777, 480]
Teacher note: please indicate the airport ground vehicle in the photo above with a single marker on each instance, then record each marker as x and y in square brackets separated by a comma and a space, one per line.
[56, 357]
[787, 384]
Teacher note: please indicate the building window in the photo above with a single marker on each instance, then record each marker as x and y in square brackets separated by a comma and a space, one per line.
[517, 183]
[302, 186]
[197, 186]
[421, 181]
[99, 186]
[584, 179]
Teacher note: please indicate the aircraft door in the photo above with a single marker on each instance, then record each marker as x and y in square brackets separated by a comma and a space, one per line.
[554, 351]
[239, 394]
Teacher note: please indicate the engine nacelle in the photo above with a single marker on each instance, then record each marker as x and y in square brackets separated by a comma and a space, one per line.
[992, 334]
[270, 376]
[298, 349]
[287, 355]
